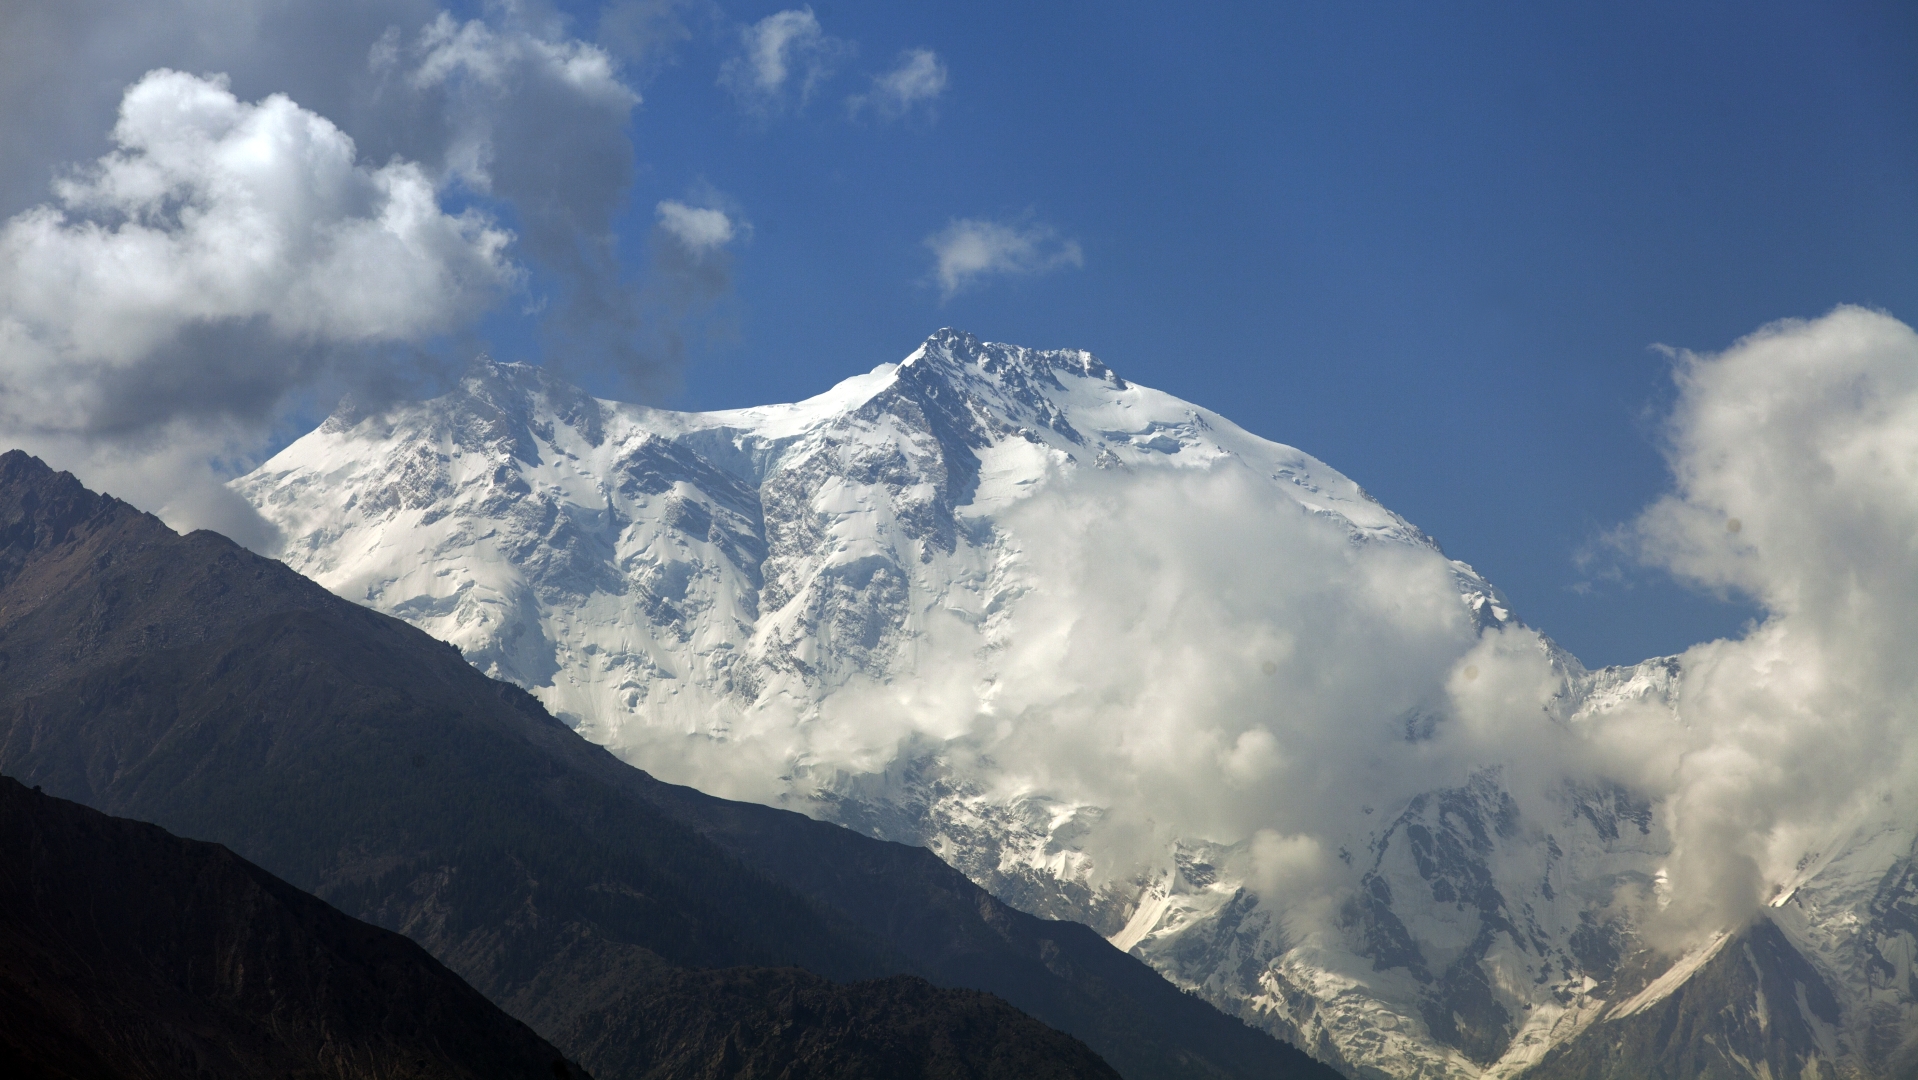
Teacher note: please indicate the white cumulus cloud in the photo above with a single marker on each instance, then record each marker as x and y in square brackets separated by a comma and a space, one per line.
[917, 80]
[701, 229]
[970, 249]
[224, 256]
[1795, 459]
[782, 56]
[214, 210]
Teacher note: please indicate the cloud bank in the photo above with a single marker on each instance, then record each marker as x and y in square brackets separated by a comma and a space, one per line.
[1176, 678]
[969, 250]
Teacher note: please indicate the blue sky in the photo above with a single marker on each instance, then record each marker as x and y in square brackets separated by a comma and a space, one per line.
[1434, 245]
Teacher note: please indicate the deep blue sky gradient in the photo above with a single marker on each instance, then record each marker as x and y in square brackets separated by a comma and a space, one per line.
[1432, 244]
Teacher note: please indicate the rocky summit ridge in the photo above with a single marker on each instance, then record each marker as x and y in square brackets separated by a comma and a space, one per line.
[727, 598]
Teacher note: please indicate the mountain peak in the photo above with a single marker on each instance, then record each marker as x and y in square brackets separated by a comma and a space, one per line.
[952, 348]
[951, 337]
[486, 374]
[40, 507]
[695, 590]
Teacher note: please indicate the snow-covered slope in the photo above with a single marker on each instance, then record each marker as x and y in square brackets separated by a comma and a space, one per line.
[1116, 658]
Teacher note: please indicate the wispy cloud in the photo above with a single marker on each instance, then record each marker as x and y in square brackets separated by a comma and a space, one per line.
[971, 249]
[493, 57]
[916, 81]
[783, 57]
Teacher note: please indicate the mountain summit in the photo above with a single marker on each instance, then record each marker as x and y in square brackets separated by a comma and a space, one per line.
[1111, 655]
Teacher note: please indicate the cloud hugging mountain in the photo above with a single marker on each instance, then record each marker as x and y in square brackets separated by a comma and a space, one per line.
[1123, 662]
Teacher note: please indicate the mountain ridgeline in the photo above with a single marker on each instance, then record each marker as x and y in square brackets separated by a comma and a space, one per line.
[185, 681]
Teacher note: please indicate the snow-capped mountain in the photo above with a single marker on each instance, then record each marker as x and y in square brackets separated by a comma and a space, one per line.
[1114, 657]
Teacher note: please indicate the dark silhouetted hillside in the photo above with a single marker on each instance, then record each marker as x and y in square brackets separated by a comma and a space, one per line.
[186, 681]
[128, 952]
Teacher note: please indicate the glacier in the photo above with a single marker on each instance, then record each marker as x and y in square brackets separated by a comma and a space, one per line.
[1114, 657]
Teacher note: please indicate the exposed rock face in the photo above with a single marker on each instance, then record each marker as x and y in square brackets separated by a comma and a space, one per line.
[701, 593]
[1752, 1005]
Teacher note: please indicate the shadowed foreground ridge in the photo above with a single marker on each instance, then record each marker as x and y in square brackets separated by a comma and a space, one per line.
[186, 681]
[786, 1023]
[126, 951]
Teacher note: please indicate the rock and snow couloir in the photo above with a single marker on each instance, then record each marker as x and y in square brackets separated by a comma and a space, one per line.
[1114, 657]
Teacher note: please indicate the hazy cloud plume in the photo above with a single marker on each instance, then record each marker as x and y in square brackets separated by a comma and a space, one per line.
[644, 32]
[692, 271]
[536, 119]
[492, 57]
[479, 61]
[970, 249]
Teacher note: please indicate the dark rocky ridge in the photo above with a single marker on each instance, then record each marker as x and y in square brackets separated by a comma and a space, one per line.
[786, 1023]
[1756, 1008]
[128, 952]
[186, 681]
